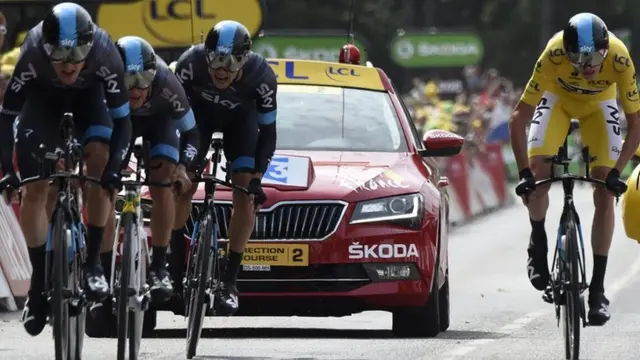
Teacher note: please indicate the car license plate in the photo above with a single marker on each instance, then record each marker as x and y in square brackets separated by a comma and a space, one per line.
[276, 254]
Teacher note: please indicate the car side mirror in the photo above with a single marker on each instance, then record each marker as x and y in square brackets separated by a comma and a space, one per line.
[441, 143]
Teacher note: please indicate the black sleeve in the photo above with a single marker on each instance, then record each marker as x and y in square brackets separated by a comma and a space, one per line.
[18, 88]
[184, 71]
[112, 74]
[186, 122]
[267, 111]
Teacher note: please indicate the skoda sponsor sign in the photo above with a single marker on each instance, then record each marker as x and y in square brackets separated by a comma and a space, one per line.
[304, 47]
[436, 50]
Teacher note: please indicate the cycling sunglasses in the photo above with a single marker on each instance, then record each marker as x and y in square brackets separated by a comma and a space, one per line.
[68, 55]
[139, 80]
[230, 62]
[592, 59]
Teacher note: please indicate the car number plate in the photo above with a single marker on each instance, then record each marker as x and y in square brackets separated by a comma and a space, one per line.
[276, 254]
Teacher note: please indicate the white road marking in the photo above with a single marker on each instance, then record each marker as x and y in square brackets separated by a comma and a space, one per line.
[519, 323]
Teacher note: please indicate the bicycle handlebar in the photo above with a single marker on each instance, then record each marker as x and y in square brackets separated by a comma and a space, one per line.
[570, 177]
[209, 178]
[58, 175]
[126, 183]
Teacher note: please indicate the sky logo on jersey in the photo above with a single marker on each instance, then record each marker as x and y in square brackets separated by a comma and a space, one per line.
[67, 35]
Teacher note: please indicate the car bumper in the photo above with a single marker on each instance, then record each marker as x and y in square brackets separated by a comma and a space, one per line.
[372, 296]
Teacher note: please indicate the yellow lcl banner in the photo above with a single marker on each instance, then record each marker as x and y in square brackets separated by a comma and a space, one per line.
[168, 23]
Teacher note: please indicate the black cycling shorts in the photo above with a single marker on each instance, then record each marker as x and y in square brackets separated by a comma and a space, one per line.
[39, 129]
[161, 131]
[240, 136]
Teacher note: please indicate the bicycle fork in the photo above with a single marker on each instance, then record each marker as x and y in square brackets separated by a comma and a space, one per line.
[139, 291]
[74, 243]
[554, 294]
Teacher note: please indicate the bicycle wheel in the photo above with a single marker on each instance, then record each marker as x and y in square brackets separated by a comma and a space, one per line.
[123, 293]
[573, 307]
[136, 317]
[59, 303]
[198, 281]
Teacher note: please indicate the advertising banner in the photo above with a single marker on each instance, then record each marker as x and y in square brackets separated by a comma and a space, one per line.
[175, 23]
[439, 50]
[304, 47]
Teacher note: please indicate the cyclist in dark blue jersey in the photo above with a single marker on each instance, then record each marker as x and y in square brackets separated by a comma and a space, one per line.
[67, 64]
[232, 90]
[161, 115]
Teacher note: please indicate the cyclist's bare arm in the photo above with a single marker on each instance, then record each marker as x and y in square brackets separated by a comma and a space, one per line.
[631, 106]
[520, 117]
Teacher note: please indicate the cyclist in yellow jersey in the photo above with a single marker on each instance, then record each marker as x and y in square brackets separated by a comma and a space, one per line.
[576, 77]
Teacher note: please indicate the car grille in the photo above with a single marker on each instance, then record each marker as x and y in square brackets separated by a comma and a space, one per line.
[284, 221]
[312, 278]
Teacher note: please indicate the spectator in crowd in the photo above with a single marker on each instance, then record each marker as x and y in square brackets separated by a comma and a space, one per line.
[479, 113]
[3, 29]
[4, 81]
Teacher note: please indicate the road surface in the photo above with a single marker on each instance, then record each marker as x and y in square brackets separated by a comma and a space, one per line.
[496, 314]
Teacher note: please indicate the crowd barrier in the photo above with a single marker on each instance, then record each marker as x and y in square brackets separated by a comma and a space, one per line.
[15, 267]
[477, 183]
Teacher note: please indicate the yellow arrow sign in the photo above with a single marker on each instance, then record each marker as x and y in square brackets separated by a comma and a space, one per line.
[167, 23]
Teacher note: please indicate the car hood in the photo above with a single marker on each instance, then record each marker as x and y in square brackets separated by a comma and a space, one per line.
[340, 175]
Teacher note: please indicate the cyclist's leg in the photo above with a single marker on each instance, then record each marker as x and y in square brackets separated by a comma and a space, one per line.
[164, 155]
[38, 126]
[548, 130]
[206, 127]
[601, 133]
[93, 126]
[240, 140]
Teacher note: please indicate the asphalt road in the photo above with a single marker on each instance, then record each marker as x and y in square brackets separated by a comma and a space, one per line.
[496, 314]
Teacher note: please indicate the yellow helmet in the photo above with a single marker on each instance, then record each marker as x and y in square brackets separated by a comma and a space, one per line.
[631, 206]
[172, 66]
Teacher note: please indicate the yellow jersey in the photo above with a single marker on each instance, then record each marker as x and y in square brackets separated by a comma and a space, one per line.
[554, 72]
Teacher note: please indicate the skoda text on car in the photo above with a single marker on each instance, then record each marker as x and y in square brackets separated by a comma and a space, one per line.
[357, 213]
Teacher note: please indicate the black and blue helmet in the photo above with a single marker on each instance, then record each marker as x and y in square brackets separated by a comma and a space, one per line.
[586, 39]
[67, 33]
[228, 45]
[139, 61]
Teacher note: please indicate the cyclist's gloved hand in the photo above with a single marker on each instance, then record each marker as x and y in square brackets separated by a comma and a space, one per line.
[614, 183]
[110, 181]
[527, 183]
[255, 189]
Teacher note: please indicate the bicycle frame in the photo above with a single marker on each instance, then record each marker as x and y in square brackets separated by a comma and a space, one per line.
[568, 184]
[208, 206]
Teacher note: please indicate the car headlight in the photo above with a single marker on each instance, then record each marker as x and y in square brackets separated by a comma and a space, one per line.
[406, 209]
[145, 204]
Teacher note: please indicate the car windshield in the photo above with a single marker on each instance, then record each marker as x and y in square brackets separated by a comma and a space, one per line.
[337, 119]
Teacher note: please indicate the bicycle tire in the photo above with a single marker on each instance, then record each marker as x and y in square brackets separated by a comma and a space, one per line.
[60, 308]
[202, 269]
[123, 293]
[77, 281]
[136, 317]
[573, 307]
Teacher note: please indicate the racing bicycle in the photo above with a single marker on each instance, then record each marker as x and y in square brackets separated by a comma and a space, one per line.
[65, 243]
[568, 279]
[131, 293]
[202, 278]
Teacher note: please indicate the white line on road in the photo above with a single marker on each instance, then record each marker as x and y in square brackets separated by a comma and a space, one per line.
[615, 288]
